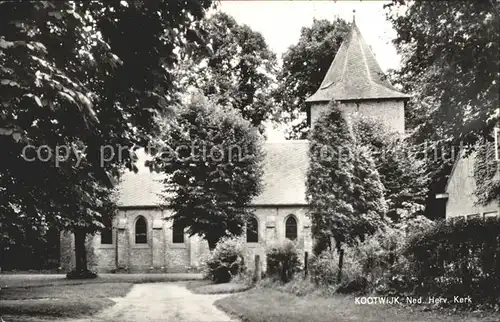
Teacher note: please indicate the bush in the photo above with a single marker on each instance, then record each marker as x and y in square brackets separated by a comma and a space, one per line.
[324, 268]
[247, 277]
[364, 262]
[299, 287]
[459, 259]
[395, 284]
[226, 260]
[283, 260]
[380, 253]
[357, 285]
[377, 263]
[414, 224]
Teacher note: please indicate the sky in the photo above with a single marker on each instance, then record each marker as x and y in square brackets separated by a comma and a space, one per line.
[280, 23]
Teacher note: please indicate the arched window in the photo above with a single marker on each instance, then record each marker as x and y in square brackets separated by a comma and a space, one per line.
[141, 231]
[291, 228]
[107, 231]
[177, 233]
[252, 230]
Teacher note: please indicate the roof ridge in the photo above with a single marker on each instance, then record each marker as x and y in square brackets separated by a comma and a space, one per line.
[368, 74]
[344, 67]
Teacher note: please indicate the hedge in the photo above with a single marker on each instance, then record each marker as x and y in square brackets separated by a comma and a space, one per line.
[458, 259]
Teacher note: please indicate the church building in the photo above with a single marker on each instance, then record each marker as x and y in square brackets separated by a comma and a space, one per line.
[139, 239]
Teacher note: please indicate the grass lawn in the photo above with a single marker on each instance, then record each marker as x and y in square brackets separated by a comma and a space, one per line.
[208, 287]
[33, 280]
[264, 304]
[60, 300]
[76, 292]
[30, 297]
[67, 308]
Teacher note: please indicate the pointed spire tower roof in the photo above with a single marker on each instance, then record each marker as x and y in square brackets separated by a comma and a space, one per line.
[355, 74]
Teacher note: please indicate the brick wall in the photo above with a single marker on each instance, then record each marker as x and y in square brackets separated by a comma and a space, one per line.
[389, 112]
[271, 229]
[161, 254]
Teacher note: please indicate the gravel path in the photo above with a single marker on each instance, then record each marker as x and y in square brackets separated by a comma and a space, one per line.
[162, 302]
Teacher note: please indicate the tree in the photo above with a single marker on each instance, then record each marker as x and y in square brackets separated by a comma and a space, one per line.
[343, 186]
[485, 173]
[451, 63]
[452, 69]
[304, 66]
[64, 93]
[402, 171]
[42, 106]
[236, 67]
[213, 161]
[368, 194]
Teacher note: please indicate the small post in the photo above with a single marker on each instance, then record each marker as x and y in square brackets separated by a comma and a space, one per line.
[341, 263]
[258, 272]
[497, 258]
[2, 250]
[116, 247]
[306, 255]
[391, 255]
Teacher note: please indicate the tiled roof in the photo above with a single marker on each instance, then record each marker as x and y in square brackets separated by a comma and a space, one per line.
[142, 188]
[355, 74]
[285, 168]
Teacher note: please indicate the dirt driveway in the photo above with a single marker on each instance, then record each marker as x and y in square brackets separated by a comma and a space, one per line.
[162, 302]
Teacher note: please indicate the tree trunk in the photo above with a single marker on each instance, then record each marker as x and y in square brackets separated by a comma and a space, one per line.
[80, 250]
[306, 268]
[341, 262]
[212, 242]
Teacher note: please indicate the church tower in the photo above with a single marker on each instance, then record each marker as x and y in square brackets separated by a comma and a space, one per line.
[357, 82]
